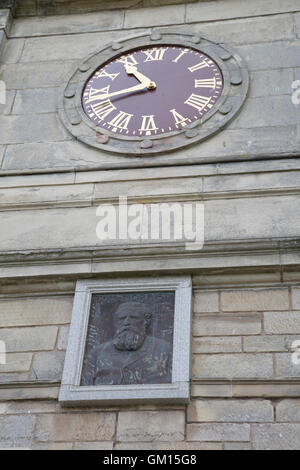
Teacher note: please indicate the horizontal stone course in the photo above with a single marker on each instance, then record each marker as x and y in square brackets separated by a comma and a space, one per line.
[231, 411]
[276, 436]
[151, 426]
[218, 432]
[31, 128]
[264, 343]
[242, 365]
[282, 322]
[226, 324]
[296, 298]
[16, 431]
[213, 11]
[255, 300]
[29, 339]
[30, 311]
[76, 427]
[206, 302]
[76, 23]
[288, 410]
[168, 446]
[16, 362]
[48, 365]
[285, 367]
[215, 344]
[35, 101]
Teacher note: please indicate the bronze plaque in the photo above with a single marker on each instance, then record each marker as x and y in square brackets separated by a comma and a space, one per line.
[129, 339]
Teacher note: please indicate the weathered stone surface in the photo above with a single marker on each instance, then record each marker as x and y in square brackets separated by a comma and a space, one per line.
[216, 344]
[255, 300]
[31, 128]
[36, 75]
[274, 110]
[48, 365]
[154, 16]
[219, 325]
[12, 51]
[206, 302]
[52, 446]
[264, 343]
[237, 446]
[285, 366]
[296, 298]
[105, 445]
[151, 426]
[276, 436]
[288, 411]
[96, 21]
[218, 432]
[76, 427]
[279, 141]
[4, 17]
[232, 365]
[55, 155]
[230, 411]
[63, 337]
[148, 188]
[271, 82]
[9, 99]
[209, 11]
[250, 182]
[297, 23]
[34, 101]
[16, 362]
[282, 322]
[270, 55]
[168, 446]
[30, 311]
[54, 48]
[16, 431]
[39, 195]
[29, 339]
[249, 30]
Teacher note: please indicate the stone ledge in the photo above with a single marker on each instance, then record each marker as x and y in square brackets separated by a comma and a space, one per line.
[214, 388]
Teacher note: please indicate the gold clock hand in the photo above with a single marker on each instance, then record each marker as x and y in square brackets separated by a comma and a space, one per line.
[141, 86]
[132, 70]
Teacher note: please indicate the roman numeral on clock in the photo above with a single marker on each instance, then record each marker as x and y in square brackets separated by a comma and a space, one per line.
[148, 124]
[197, 101]
[155, 54]
[180, 55]
[121, 120]
[127, 60]
[94, 93]
[206, 83]
[199, 66]
[179, 119]
[103, 109]
[103, 73]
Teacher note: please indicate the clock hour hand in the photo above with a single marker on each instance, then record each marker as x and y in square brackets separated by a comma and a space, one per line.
[141, 86]
[132, 70]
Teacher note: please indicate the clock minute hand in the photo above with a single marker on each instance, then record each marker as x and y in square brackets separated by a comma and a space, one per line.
[141, 86]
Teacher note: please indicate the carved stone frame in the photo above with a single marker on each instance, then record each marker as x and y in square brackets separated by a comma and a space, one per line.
[72, 393]
[236, 84]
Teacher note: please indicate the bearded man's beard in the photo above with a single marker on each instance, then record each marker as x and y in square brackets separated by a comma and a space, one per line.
[129, 339]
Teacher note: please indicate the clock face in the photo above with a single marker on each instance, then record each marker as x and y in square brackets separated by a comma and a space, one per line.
[152, 91]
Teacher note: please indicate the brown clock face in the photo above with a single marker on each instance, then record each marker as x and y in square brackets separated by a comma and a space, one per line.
[152, 91]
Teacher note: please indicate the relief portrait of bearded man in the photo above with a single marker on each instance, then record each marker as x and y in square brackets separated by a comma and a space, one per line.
[131, 356]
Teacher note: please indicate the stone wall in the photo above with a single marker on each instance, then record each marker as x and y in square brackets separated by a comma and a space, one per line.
[245, 390]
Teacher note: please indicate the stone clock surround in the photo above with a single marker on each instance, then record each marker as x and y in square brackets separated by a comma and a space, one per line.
[235, 77]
